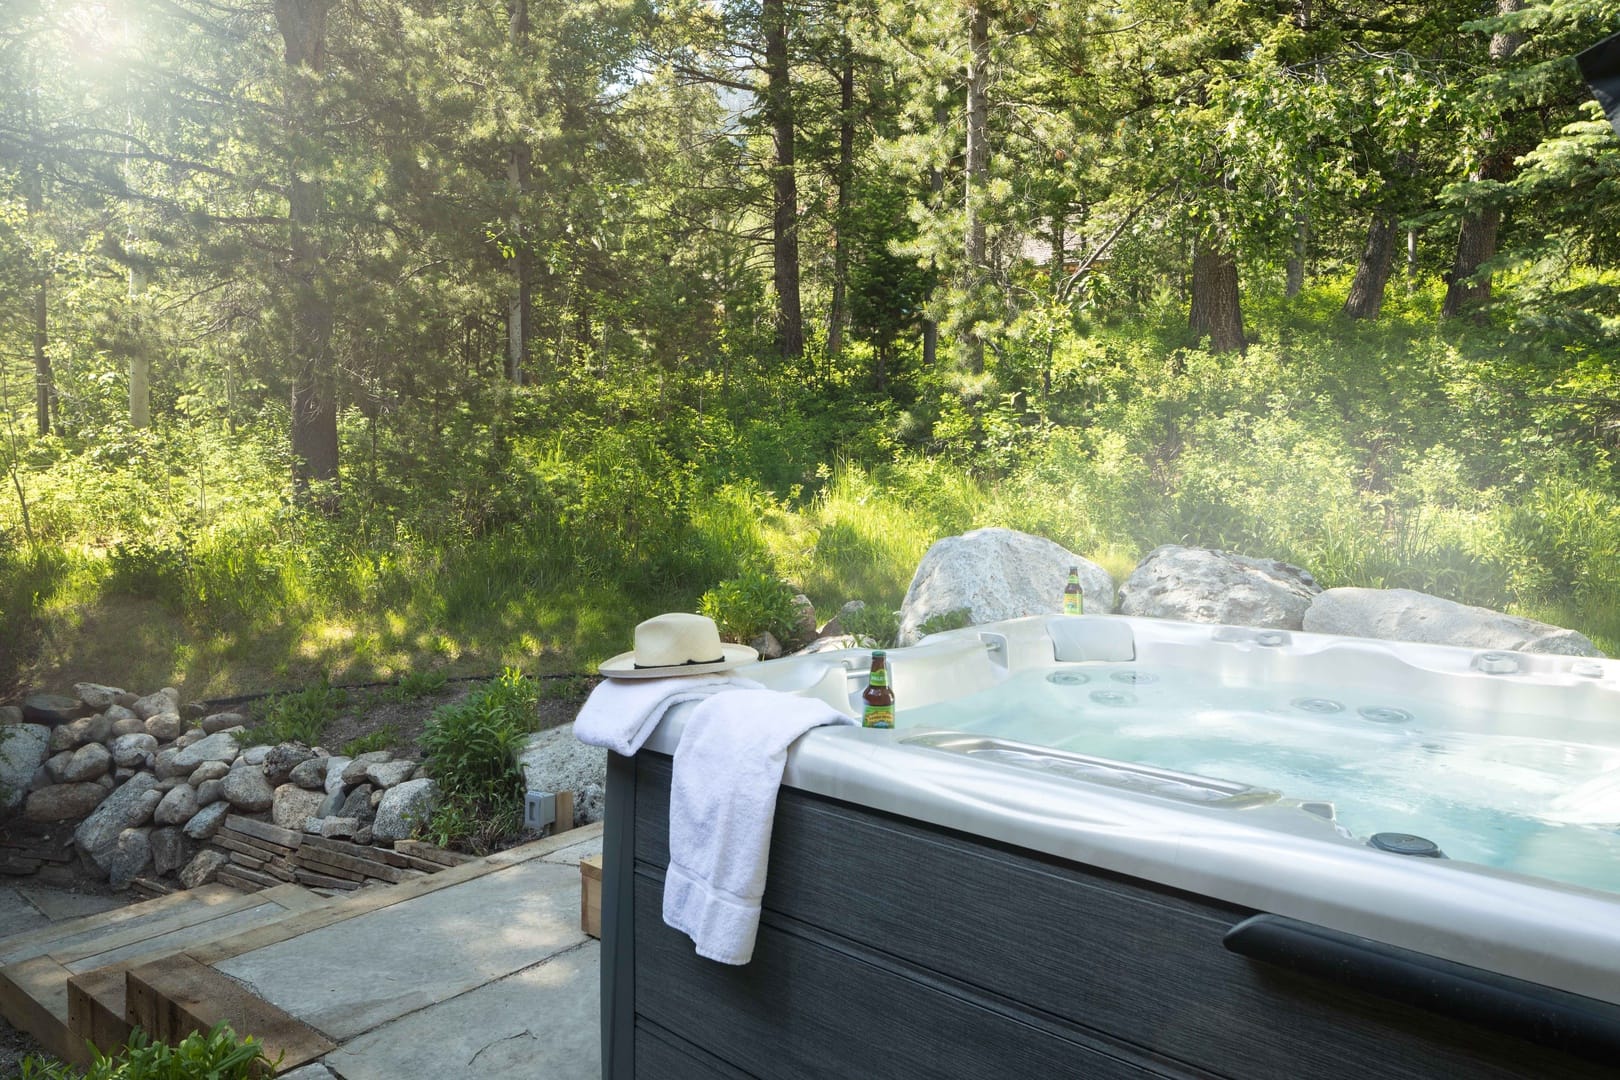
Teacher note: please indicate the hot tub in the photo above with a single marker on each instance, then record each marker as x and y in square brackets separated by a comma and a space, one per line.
[1105, 846]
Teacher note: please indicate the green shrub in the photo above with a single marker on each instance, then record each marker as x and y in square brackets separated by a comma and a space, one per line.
[301, 716]
[747, 606]
[211, 1055]
[365, 744]
[873, 626]
[954, 619]
[415, 685]
[472, 749]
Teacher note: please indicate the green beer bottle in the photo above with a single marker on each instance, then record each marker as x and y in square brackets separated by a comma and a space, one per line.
[1073, 602]
[879, 709]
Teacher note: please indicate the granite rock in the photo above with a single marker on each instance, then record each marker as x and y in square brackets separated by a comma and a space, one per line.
[170, 850]
[219, 747]
[51, 709]
[282, 760]
[553, 760]
[203, 868]
[177, 806]
[125, 858]
[355, 771]
[97, 696]
[132, 751]
[403, 808]
[165, 726]
[1405, 615]
[128, 807]
[223, 722]
[166, 700]
[76, 733]
[23, 749]
[246, 789]
[207, 821]
[292, 804]
[63, 802]
[1206, 586]
[994, 574]
[387, 774]
[208, 770]
[86, 763]
[310, 774]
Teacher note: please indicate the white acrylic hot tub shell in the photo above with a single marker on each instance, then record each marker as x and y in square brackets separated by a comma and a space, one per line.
[1276, 858]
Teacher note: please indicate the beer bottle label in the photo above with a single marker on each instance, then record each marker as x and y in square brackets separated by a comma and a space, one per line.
[1071, 604]
[878, 716]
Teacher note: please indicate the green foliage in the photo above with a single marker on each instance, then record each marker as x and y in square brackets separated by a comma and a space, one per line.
[415, 685]
[382, 739]
[754, 603]
[954, 619]
[472, 749]
[873, 626]
[211, 1055]
[300, 716]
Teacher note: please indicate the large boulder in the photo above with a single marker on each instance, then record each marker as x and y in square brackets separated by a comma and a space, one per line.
[63, 802]
[310, 774]
[553, 760]
[355, 771]
[993, 574]
[1200, 585]
[1405, 615]
[224, 721]
[170, 850]
[165, 726]
[403, 808]
[126, 808]
[23, 749]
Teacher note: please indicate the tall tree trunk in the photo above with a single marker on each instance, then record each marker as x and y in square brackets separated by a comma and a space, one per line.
[977, 169]
[520, 302]
[1216, 307]
[839, 315]
[1411, 260]
[1294, 281]
[140, 360]
[314, 405]
[784, 184]
[936, 185]
[1366, 296]
[1466, 287]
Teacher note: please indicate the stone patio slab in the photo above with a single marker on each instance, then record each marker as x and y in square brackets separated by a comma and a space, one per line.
[539, 1022]
[350, 977]
[17, 915]
[59, 904]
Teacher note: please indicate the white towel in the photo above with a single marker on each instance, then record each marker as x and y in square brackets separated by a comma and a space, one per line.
[722, 800]
[621, 713]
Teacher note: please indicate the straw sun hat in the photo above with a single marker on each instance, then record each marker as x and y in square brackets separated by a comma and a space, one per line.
[676, 644]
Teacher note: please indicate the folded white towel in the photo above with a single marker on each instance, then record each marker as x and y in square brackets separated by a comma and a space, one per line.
[728, 768]
[621, 713]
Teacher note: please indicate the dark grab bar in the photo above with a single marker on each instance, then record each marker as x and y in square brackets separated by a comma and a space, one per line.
[1578, 1025]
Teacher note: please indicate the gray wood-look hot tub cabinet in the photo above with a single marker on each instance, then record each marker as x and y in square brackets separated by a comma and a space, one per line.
[891, 948]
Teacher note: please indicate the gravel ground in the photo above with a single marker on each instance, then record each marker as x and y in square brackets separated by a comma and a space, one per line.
[14, 1046]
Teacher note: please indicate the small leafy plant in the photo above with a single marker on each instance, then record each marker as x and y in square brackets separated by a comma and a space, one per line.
[212, 1055]
[754, 603]
[381, 739]
[415, 685]
[301, 716]
[954, 619]
[472, 749]
[874, 626]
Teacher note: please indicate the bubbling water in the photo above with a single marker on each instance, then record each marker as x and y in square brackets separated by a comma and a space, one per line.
[1504, 797]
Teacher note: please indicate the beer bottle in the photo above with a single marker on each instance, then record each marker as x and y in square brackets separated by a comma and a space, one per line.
[1072, 600]
[879, 699]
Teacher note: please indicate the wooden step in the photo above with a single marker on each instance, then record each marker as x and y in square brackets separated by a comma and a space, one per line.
[173, 997]
[35, 993]
[32, 943]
